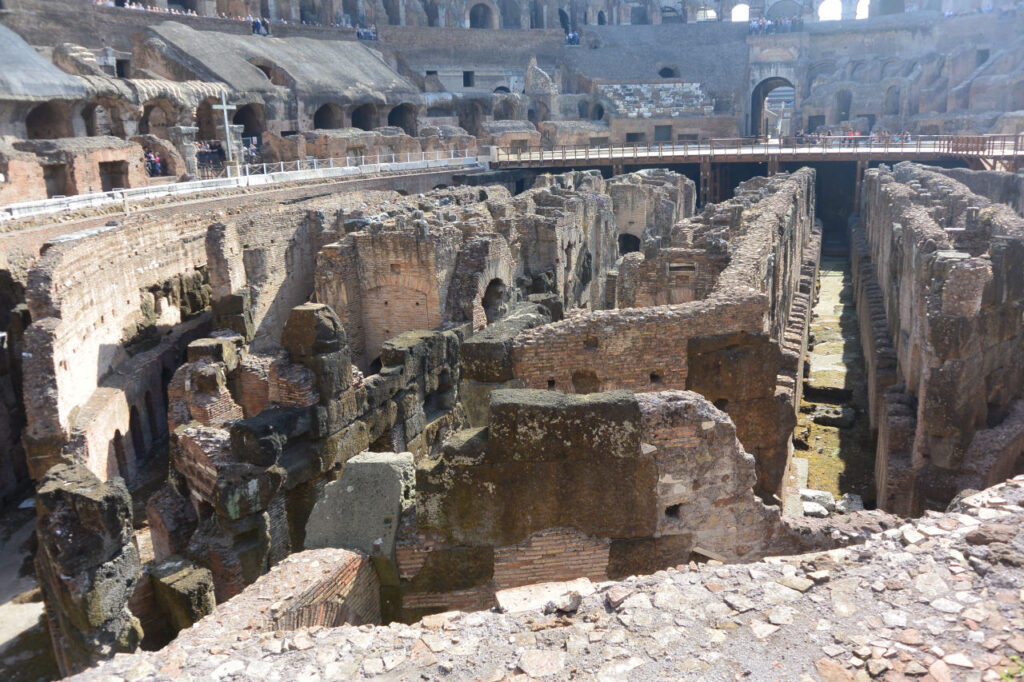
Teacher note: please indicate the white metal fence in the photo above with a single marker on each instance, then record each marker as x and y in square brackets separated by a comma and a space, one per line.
[248, 175]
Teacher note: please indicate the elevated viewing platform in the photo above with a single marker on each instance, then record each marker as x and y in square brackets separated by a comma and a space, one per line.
[980, 152]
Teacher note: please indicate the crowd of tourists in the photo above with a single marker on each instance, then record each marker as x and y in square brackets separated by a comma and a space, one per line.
[260, 25]
[572, 38]
[827, 137]
[762, 26]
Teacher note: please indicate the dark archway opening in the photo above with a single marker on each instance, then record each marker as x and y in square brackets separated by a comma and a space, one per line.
[98, 120]
[844, 102]
[892, 101]
[509, 14]
[503, 111]
[628, 243]
[668, 72]
[404, 117]
[364, 117]
[583, 109]
[157, 117]
[758, 125]
[494, 300]
[601, 20]
[597, 112]
[206, 120]
[250, 117]
[48, 121]
[481, 16]
[329, 116]
[563, 19]
[502, 89]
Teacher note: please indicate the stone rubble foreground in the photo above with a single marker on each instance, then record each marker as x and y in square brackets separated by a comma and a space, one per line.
[940, 598]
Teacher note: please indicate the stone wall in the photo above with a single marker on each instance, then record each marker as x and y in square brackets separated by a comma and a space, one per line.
[560, 487]
[948, 293]
[737, 346]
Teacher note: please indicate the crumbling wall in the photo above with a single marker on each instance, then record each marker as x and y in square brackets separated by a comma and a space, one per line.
[562, 486]
[950, 291]
[87, 564]
[92, 315]
[741, 346]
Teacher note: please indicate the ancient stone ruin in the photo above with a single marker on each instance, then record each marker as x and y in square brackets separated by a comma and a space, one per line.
[638, 345]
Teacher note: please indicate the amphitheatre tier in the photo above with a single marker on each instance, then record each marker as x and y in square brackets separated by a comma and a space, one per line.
[495, 341]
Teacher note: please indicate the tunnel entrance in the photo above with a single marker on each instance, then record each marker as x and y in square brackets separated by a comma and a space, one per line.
[766, 115]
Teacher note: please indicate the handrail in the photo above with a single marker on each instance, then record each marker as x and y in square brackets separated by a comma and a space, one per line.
[246, 176]
[959, 145]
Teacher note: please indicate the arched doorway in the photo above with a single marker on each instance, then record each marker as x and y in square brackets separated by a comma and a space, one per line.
[563, 19]
[98, 120]
[597, 112]
[844, 102]
[892, 101]
[364, 117]
[740, 12]
[481, 16]
[48, 121]
[757, 103]
[207, 119]
[601, 20]
[404, 117]
[784, 9]
[250, 117]
[329, 116]
[157, 117]
[494, 299]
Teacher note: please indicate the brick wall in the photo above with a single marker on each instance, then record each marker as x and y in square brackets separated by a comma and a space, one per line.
[947, 293]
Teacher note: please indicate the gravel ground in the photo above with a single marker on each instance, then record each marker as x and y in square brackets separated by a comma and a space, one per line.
[938, 599]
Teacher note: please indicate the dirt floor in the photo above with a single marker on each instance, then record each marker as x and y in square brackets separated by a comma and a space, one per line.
[832, 431]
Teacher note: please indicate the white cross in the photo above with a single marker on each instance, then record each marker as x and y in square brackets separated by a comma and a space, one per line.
[224, 107]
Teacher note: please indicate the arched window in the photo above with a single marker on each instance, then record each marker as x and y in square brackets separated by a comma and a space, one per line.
[740, 13]
[892, 101]
[830, 10]
[601, 20]
[862, 9]
[481, 16]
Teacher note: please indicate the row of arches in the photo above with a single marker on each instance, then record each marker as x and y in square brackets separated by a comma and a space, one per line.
[55, 119]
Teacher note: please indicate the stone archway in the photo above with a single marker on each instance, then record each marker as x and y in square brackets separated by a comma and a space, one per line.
[49, 121]
[364, 117]
[250, 117]
[757, 99]
[157, 117]
[329, 116]
[482, 15]
[404, 116]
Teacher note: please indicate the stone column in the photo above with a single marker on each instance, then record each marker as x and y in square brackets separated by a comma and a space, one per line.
[184, 140]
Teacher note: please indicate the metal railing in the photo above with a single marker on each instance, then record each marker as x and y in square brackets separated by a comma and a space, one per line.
[249, 175]
[985, 146]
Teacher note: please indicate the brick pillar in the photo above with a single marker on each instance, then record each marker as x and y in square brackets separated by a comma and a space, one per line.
[184, 140]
